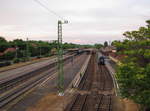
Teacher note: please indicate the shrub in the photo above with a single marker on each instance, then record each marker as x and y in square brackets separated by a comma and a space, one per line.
[16, 60]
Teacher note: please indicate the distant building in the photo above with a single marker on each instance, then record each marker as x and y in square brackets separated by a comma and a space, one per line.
[8, 50]
[108, 49]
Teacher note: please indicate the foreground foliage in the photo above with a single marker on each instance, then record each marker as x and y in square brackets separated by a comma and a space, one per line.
[134, 73]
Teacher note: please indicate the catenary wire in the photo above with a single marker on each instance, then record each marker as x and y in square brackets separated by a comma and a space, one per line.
[49, 10]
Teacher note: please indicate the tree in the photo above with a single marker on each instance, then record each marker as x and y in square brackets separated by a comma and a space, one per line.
[105, 44]
[31, 48]
[98, 46]
[19, 43]
[2, 39]
[134, 72]
[3, 44]
[9, 55]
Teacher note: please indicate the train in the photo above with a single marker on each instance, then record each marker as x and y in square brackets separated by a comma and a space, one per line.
[101, 60]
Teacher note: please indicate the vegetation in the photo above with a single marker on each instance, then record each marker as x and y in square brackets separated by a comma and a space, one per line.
[3, 44]
[25, 49]
[134, 73]
[98, 46]
[105, 44]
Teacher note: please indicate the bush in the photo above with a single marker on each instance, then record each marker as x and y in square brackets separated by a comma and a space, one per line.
[7, 63]
[16, 60]
[9, 55]
[47, 55]
[27, 59]
[23, 59]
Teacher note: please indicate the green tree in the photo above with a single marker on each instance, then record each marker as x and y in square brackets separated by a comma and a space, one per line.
[134, 72]
[3, 44]
[2, 39]
[98, 46]
[19, 43]
[9, 55]
[35, 48]
[105, 44]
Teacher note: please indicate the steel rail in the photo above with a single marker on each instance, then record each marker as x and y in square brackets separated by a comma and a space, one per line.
[4, 100]
[6, 85]
[102, 81]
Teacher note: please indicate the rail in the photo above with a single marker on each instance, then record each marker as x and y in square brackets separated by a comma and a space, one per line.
[26, 85]
[94, 90]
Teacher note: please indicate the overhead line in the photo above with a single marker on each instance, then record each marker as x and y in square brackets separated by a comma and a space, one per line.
[50, 11]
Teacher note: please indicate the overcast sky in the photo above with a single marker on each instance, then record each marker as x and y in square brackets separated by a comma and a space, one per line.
[90, 21]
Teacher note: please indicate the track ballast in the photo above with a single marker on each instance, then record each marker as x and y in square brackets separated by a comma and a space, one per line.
[95, 90]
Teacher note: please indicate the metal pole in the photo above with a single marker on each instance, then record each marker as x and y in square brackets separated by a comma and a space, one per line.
[16, 52]
[60, 60]
[27, 50]
[40, 50]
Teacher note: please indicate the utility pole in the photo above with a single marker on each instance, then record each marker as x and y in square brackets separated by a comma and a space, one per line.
[16, 56]
[60, 59]
[60, 83]
[27, 50]
[40, 50]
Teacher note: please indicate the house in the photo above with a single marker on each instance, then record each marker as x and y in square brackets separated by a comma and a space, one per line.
[7, 50]
[107, 50]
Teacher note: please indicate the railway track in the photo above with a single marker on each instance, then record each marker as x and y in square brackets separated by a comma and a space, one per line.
[95, 90]
[11, 81]
[13, 88]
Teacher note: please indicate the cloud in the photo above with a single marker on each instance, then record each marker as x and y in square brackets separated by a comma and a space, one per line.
[90, 21]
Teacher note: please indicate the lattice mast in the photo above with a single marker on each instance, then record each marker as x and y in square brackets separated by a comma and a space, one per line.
[60, 58]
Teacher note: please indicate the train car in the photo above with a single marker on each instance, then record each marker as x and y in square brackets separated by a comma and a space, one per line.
[101, 61]
[80, 51]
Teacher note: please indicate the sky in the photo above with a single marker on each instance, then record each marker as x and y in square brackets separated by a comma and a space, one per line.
[90, 21]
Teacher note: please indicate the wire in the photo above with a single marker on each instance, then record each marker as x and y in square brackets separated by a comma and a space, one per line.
[50, 11]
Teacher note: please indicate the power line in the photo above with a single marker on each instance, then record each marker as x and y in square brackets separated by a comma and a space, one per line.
[50, 11]
[59, 48]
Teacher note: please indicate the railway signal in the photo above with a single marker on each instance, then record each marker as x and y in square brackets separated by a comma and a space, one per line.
[60, 59]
